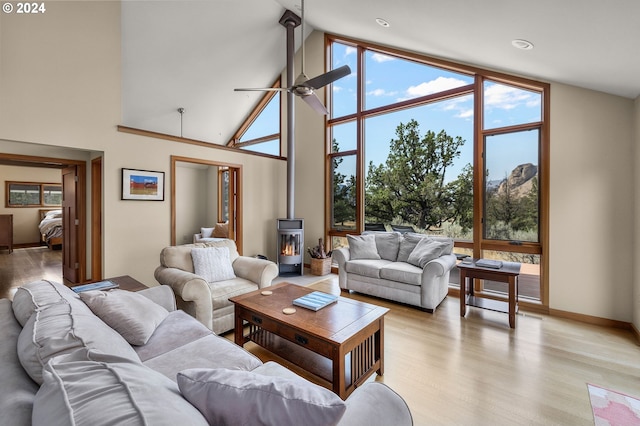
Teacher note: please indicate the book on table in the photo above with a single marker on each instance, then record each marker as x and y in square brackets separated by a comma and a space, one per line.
[489, 263]
[315, 300]
[100, 285]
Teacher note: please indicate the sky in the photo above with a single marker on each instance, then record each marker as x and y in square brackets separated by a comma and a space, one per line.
[389, 80]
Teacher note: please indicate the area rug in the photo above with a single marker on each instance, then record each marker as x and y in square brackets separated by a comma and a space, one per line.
[613, 408]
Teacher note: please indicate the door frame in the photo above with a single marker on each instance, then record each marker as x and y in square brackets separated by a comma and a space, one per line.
[237, 168]
[81, 208]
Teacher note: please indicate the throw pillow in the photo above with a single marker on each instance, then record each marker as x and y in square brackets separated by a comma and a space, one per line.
[363, 247]
[408, 243]
[212, 263]
[88, 387]
[206, 232]
[236, 397]
[221, 230]
[132, 315]
[426, 250]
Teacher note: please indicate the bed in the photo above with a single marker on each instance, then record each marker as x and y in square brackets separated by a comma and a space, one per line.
[51, 227]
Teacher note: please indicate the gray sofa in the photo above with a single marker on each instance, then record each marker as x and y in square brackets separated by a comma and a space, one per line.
[409, 268]
[61, 364]
[208, 301]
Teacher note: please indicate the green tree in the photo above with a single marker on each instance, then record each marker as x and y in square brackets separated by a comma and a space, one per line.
[344, 195]
[410, 184]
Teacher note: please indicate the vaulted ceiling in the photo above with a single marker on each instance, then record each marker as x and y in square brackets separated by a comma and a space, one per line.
[192, 54]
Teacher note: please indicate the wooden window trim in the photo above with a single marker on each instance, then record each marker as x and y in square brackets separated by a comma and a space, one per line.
[41, 185]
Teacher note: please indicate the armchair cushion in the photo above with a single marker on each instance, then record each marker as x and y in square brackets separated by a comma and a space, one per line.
[212, 263]
[206, 232]
[244, 397]
[221, 230]
[132, 315]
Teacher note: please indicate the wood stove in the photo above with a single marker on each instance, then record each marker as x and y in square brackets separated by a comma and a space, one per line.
[290, 246]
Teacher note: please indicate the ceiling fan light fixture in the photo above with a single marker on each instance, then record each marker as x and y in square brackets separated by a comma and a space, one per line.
[383, 23]
[522, 44]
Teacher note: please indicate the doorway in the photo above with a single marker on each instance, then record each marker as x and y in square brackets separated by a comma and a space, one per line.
[204, 193]
[74, 178]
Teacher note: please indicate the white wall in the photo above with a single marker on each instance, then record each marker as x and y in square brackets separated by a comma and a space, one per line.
[25, 219]
[591, 202]
[192, 196]
[60, 85]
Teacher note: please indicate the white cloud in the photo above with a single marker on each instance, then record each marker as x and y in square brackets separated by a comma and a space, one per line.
[507, 97]
[468, 113]
[380, 92]
[379, 57]
[350, 51]
[337, 88]
[440, 84]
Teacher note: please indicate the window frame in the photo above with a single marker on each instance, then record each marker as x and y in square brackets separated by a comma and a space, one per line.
[41, 186]
[478, 244]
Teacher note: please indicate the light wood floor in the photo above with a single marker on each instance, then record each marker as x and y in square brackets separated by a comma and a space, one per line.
[477, 371]
[463, 371]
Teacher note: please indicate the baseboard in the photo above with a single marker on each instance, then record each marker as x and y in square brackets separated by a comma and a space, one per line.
[589, 319]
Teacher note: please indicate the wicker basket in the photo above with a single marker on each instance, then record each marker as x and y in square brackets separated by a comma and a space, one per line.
[320, 266]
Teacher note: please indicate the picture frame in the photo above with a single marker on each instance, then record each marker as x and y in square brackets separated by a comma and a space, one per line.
[143, 185]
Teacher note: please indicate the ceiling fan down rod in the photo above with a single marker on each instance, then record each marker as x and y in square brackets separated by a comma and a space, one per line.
[290, 21]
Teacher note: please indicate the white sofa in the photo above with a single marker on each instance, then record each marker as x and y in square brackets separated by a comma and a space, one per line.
[208, 301]
[61, 364]
[409, 268]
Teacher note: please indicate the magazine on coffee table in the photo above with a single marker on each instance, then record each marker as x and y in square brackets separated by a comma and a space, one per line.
[315, 301]
[100, 285]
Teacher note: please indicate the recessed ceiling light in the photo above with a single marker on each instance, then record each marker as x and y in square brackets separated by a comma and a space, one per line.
[382, 22]
[522, 44]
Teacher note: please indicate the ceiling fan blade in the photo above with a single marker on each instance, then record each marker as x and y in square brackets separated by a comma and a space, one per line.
[328, 77]
[262, 89]
[313, 101]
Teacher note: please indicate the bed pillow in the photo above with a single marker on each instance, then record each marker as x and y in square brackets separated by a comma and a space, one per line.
[425, 251]
[212, 263]
[132, 315]
[363, 247]
[242, 397]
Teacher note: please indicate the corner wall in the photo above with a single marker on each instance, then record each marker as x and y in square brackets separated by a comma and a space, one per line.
[636, 251]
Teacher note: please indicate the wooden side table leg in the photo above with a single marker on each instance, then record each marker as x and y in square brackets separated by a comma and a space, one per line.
[512, 301]
[463, 292]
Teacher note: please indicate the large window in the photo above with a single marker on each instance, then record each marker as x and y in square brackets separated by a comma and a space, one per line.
[440, 148]
[33, 194]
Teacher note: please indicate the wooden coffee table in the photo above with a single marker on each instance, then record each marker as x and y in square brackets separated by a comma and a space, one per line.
[342, 343]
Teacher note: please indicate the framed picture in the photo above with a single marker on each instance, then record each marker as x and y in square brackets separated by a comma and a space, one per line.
[142, 185]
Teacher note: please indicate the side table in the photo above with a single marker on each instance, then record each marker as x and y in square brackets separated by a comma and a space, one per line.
[508, 273]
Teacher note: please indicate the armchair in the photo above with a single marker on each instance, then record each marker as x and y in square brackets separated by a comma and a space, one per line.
[209, 302]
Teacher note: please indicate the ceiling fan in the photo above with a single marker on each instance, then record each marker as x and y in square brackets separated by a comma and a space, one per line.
[304, 87]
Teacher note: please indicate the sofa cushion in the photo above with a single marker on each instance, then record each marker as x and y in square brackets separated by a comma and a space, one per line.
[210, 351]
[38, 295]
[366, 268]
[425, 251]
[388, 244]
[18, 390]
[206, 232]
[212, 263]
[363, 247]
[92, 388]
[402, 272]
[244, 397]
[131, 314]
[62, 328]
[221, 291]
[407, 244]
[221, 230]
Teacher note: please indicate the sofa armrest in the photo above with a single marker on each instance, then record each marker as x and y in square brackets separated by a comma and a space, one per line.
[440, 266]
[190, 288]
[260, 271]
[196, 238]
[376, 404]
[162, 295]
[341, 256]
